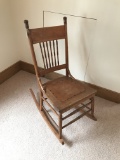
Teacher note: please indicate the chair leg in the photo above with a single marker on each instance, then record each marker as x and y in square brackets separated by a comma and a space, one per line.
[92, 109]
[92, 106]
[60, 125]
[41, 100]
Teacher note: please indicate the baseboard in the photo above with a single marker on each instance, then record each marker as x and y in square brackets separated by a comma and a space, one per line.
[101, 92]
[27, 67]
[106, 93]
[9, 72]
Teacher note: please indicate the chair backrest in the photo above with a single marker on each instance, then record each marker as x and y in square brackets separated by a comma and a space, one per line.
[47, 38]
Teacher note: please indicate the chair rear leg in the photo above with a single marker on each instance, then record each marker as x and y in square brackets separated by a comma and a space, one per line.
[92, 108]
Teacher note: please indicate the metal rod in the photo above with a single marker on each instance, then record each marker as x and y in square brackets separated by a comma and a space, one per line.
[70, 15]
[43, 19]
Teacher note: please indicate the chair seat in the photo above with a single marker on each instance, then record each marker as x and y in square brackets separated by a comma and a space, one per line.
[65, 92]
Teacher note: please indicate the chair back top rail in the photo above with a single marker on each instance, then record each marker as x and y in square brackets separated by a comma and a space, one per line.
[38, 35]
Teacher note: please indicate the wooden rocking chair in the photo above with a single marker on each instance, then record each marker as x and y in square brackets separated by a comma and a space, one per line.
[64, 94]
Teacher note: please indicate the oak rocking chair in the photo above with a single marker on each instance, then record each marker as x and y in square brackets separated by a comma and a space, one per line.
[64, 94]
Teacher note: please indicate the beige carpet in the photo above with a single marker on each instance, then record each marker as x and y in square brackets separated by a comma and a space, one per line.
[25, 136]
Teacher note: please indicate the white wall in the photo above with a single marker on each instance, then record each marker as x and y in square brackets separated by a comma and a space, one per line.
[96, 41]
[8, 55]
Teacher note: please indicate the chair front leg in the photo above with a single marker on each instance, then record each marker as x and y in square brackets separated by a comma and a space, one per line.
[60, 126]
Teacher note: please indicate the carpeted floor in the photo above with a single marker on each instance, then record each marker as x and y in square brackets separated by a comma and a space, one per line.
[25, 136]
